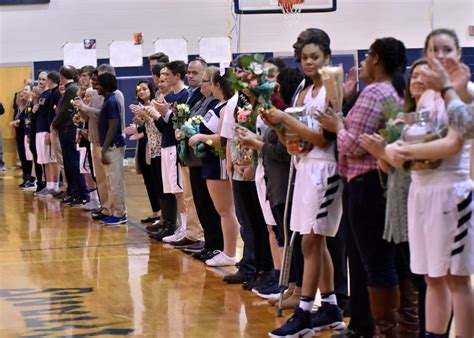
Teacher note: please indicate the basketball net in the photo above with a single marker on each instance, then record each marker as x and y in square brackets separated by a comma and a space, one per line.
[290, 14]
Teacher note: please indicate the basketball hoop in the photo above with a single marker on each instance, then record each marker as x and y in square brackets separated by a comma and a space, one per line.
[289, 11]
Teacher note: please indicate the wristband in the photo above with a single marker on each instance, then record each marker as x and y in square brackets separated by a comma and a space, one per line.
[445, 89]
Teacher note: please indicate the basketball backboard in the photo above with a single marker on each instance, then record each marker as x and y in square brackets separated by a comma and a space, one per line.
[271, 6]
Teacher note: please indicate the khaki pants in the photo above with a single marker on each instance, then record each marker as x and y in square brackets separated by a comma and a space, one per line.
[58, 153]
[193, 227]
[101, 180]
[116, 181]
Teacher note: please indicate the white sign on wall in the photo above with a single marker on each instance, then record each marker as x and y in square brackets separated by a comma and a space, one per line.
[125, 54]
[74, 54]
[176, 49]
[215, 50]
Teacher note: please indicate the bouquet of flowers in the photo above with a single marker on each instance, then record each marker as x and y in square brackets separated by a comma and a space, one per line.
[333, 81]
[180, 115]
[252, 76]
[188, 129]
[394, 121]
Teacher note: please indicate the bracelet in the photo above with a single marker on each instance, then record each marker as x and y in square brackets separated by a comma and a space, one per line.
[445, 90]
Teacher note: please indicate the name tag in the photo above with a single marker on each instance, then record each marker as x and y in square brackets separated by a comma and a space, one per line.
[42, 101]
[211, 121]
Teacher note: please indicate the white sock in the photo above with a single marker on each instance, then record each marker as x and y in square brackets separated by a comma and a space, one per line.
[329, 298]
[55, 186]
[49, 185]
[306, 303]
[94, 195]
[183, 220]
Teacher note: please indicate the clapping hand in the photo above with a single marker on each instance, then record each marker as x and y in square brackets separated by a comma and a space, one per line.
[161, 107]
[131, 129]
[350, 83]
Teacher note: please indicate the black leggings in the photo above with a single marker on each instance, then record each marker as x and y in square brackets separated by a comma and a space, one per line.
[147, 177]
[20, 146]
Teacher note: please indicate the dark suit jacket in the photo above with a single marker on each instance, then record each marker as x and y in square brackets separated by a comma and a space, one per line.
[194, 98]
[66, 109]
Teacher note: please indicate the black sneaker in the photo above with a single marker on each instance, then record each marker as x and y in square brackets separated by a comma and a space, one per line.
[59, 194]
[166, 230]
[29, 186]
[67, 199]
[77, 202]
[40, 186]
[198, 254]
[99, 217]
[22, 185]
[236, 278]
[150, 219]
[261, 279]
[182, 243]
[328, 317]
[154, 227]
[298, 326]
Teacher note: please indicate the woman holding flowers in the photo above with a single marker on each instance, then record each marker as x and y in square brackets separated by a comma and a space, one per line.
[317, 200]
[214, 168]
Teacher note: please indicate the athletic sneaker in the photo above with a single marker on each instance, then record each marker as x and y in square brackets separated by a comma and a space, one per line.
[29, 186]
[91, 205]
[221, 259]
[154, 227]
[271, 292]
[78, 202]
[112, 220]
[298, 326]
[328, 317]
[193, 246]
[182, 243]
[67, 199]
[178, 235]
[99, 216]
[42, 192]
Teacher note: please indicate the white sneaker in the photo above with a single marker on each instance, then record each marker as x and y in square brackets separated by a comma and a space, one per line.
[178, 235]
[91, 205]
[221, 259]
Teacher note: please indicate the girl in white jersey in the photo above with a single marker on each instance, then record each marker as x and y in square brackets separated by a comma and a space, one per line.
[317, 202]
[440, 224]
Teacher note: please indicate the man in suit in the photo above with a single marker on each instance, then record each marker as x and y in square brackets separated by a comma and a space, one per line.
[77, 192]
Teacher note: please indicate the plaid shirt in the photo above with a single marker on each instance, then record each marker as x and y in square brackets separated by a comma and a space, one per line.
[364, 118]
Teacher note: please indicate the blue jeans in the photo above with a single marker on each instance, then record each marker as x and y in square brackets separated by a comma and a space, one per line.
[76, 185]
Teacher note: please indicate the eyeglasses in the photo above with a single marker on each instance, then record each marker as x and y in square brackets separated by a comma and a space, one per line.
[369, 53]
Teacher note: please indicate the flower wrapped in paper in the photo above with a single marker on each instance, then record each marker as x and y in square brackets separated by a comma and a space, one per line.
[251, 76]
[333, 81]
[180, 115]
[189, 129]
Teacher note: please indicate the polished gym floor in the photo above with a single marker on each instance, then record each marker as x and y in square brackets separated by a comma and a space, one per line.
[63, 275]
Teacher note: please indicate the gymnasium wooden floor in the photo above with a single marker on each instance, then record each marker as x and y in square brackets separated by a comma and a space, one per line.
[63, 275]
